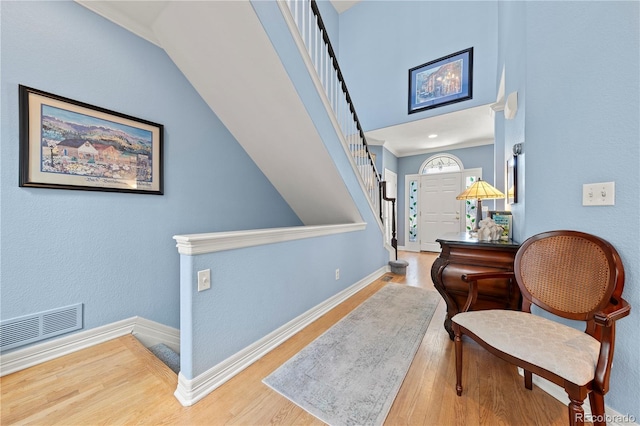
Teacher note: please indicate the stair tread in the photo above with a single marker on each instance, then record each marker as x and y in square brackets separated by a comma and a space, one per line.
[152, 363]
[167, 355]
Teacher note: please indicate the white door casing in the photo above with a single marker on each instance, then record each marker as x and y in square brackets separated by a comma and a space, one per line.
[437, 208]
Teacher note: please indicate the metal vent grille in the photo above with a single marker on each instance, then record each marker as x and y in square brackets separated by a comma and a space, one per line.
[20, 331]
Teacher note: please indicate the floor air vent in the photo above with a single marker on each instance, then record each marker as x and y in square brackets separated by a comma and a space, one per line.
[32, 328]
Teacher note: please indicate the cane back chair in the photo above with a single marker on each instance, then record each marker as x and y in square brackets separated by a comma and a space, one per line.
[570, 274]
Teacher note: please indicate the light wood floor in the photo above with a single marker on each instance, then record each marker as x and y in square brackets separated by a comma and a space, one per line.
[120, 382]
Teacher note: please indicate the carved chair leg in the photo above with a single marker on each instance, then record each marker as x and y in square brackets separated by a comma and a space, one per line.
[528, 380]
[458, 347]
[596, 399]
[576, 413]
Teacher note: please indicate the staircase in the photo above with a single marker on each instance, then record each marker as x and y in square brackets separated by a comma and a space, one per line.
[303, 17]
[239, 70]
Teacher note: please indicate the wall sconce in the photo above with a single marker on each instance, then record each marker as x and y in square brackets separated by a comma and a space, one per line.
[511, 106]
[517, 149]
[480, 190]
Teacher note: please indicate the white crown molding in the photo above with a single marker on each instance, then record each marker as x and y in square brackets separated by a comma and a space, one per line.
[448, 148]
[193, 244]
[190, 391]
[125, 20]
[33, 355]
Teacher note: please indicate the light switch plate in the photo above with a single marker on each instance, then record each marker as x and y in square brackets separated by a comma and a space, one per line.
[204, 280]
[599, 194]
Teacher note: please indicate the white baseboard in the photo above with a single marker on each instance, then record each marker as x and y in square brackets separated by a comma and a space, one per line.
[151, 333]
[614, 418]
[144, 329]
[190, 391]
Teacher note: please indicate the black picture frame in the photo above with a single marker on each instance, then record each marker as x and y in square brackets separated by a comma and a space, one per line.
[444, 81]
[512, 180]
[67, 144]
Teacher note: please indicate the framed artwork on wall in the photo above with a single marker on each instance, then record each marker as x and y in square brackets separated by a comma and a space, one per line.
[441, 82]
[512, 180]
[66, 144]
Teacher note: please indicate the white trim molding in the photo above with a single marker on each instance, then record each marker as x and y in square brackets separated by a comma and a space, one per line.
[144, 329]
[190, 391]
[193, 244]
[151, 333]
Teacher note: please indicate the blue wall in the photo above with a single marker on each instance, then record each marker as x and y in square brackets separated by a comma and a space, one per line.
[389, 161]
[255, 290]
[582, 126]
[512, 45]
[330, 18]
[114, 252]
[381, 40]
[575, 67]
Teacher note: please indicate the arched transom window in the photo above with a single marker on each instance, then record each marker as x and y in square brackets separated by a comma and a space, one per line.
[441, 163]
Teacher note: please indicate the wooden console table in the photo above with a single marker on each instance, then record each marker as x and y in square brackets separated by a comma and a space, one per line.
[462, 254]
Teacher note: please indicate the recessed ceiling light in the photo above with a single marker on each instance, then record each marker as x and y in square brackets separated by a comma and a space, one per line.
[433, 136]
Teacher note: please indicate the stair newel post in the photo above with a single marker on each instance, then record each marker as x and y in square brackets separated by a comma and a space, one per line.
[381, 190]
[394, 239]
[383, 196]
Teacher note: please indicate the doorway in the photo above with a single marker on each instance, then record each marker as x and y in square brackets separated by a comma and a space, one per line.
[432, 208]
[439, 209]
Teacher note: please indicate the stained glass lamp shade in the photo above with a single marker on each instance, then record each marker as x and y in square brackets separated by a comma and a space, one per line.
[479, 191]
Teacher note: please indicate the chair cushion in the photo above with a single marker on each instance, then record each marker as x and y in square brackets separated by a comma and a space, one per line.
[560, 349]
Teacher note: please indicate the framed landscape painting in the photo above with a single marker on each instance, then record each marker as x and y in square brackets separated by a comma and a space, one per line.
[441, 82]
[66, 144]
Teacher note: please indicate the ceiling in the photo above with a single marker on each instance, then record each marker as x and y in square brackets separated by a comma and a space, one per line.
[459, 129]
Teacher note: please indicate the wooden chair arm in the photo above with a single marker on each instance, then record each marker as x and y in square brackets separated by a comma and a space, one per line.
[613, 312]
[486, 275]
[472, 279]
[607, 332]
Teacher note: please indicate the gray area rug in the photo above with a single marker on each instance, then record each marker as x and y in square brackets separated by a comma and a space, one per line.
[350, 375]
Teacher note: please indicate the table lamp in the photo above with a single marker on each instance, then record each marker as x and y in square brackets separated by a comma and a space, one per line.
[480, 190]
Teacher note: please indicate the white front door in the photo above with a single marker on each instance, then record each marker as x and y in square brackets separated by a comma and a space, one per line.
[440, 212]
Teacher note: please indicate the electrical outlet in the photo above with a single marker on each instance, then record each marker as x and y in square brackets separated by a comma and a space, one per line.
[598, 194]
[204, 280]
[337, 274]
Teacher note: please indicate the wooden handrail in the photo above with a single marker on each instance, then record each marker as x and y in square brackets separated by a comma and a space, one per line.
[314, 39]
[343, 84]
